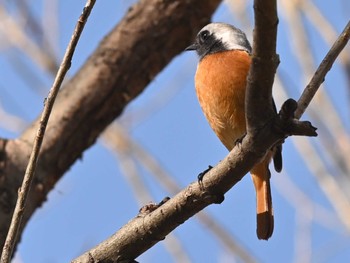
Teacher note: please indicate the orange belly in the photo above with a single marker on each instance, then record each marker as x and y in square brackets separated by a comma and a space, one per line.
[220, 85]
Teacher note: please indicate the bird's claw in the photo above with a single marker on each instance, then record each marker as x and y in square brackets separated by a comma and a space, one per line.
[201, 175]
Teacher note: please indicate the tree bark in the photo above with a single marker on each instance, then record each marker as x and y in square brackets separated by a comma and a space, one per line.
[124, 63]
[156, 221]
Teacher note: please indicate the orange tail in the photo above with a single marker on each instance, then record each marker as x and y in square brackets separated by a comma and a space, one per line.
[264, 212]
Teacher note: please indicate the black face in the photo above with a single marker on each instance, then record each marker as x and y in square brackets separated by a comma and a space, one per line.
[206, 43]
[218, 37]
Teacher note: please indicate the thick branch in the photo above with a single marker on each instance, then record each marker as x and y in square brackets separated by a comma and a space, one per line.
[152, 225]
[118, 71]
[258, 102]
[146, 230]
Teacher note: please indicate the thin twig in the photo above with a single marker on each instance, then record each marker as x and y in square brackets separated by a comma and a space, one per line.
[150, 228]
[30, 170]
[321, 172]
[337, 198]
[99, 92]
[321, 71]
[324, 27]
[330, 120]
[115, 131]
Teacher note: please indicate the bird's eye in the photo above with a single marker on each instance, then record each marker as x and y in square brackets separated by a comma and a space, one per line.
[204, 35]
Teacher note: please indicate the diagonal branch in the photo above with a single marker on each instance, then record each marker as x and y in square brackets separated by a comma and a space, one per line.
[116, 134]
[320, 74]
[153, 224]
[117, 72]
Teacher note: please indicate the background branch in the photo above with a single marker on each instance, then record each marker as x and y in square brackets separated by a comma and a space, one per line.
[322, 70]
[116, 136]
[146, 230]
[70, 221]
[120, 69]
[23, 191]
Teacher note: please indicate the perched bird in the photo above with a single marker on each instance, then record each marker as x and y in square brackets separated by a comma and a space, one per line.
[221, 78]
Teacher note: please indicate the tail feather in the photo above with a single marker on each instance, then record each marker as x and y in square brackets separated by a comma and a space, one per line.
[264, 211]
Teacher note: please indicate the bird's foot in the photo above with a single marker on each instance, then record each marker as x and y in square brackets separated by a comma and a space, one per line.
[218, 198]
[240, 139]
[201, 175]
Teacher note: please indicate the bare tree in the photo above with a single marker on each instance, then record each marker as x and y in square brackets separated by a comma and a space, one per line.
[117, 72]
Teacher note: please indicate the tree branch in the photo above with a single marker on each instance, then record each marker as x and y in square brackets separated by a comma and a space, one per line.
[154, 223]
[152, 226]
[31, 167]
[118, 71]
[81, 115]
[258, 103]
[320, 74]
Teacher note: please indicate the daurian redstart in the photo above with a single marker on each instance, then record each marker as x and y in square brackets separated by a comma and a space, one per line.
[221, 78]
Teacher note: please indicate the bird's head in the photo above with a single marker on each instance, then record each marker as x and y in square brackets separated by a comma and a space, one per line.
[219, 37]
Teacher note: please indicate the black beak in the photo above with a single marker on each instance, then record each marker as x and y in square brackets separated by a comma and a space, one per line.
[194, 46]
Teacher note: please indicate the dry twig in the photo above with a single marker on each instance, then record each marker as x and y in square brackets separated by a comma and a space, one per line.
[30, 170]
[98, 94]
[322, 70]
[330, 121]
[327, 183]
[154, 226]
[116, 133]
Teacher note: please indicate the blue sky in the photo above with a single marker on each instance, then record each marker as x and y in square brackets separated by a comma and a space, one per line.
[93, 199]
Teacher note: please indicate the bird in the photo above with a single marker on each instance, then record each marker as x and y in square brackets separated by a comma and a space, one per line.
[225, 56]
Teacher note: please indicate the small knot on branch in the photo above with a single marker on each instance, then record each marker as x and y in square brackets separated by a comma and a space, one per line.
[150, 207]
[287, 124]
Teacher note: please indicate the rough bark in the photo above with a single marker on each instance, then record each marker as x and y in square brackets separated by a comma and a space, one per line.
[265, 61]
[127, 59]
[154, 224]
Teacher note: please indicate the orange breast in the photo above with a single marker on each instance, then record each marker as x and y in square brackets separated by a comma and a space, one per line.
[220, 85]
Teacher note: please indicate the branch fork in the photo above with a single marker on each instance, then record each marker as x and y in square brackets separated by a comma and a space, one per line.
[288, 125]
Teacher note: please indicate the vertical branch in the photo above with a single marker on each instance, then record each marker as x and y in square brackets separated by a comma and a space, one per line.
[264, 64]
[30, 170]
